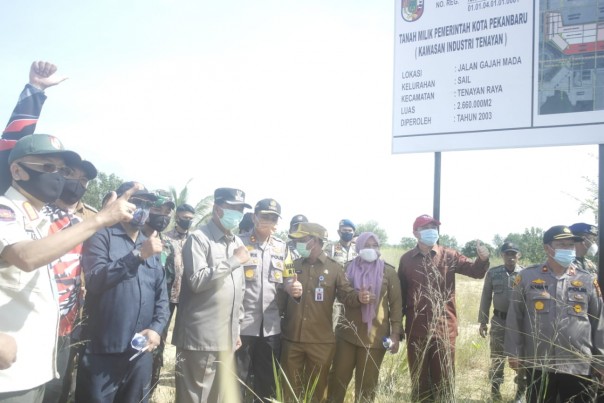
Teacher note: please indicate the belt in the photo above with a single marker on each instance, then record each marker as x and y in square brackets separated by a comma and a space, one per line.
[499, 314]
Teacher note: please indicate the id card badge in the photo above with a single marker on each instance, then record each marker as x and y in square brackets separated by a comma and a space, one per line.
[319, 294]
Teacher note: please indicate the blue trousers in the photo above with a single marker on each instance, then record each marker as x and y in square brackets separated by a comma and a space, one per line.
[108, 378]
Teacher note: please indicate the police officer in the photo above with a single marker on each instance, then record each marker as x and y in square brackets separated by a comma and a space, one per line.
[261, 323]
[555, 325]
[344, 250]
[587, 247]
[497, 288]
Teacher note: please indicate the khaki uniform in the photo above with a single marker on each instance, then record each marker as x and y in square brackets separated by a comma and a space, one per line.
[565, 313]
[362, 353]
[497, 289]
[29, 307]
[308, 337]
[339, 253]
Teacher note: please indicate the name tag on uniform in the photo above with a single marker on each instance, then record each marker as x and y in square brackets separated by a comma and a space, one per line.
[319, 294]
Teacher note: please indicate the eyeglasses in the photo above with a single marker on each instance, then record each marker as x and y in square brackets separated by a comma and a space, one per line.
[49, 168]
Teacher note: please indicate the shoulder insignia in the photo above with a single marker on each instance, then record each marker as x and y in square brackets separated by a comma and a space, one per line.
[7, 214]
[576, 283]
[538, 281]
[517, 280]
[544, 269]
[31, 212]
[571, 271]
[539, 305]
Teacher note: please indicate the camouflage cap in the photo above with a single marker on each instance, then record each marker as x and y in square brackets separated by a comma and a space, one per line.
[304, 229]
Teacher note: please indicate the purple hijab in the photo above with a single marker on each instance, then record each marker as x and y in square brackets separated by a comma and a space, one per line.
[368, 275]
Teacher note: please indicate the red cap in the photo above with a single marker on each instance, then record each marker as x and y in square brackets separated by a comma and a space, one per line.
[422, 220]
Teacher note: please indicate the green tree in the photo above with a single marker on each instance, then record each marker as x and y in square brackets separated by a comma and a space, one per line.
[448, 241]
[408, 243]
[373, 226]
[99, 187]
[530, 243]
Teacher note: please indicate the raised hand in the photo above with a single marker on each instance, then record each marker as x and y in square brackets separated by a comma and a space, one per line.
[242, 254]
[152, 246]
[118, 209]
[482, 251]
[43, 75]
[295, 287]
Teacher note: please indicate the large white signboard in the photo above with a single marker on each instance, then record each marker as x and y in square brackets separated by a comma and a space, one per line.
[476, 74]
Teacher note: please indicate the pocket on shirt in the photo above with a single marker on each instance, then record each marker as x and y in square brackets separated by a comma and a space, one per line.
[275, 274]
[577, 304]
[541, 304]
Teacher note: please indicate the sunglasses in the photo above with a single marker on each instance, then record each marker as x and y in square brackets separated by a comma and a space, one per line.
[49, 168]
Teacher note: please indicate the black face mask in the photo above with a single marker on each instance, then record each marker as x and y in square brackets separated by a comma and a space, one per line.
[72, 191]
[46, 187]
[183, 223]
[158, 222]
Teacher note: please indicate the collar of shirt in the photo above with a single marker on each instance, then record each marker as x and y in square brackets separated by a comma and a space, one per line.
[118, 230]
[217, 233]
[436, 249]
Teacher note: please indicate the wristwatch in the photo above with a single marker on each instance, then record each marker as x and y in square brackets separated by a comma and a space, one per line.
[137, 253]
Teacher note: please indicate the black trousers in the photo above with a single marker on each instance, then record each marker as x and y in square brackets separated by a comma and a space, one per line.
[255, 360]
[546, 387]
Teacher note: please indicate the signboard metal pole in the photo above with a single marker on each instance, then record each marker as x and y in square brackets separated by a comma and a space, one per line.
[436, 207]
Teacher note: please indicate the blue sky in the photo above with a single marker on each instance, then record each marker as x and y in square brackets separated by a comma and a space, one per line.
[283, 99]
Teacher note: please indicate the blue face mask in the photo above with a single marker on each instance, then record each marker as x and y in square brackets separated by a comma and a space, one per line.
[346, 236]
[231, 219]
[301, 248]
[139, 217]
[428, 236]
[564, 257]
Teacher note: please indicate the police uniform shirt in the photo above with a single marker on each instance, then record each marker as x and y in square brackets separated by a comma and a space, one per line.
[29, 309]
[263, 276]
[497, 288]
[556, 324]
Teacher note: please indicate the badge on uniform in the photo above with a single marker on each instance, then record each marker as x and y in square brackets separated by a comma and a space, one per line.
[539, 305]
[319, 294]
[250, 273]
[7, 213]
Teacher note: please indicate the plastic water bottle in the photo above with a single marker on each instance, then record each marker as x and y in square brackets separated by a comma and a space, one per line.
[387, 343]
[138, 341]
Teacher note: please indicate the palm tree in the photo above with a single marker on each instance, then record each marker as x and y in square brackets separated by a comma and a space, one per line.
[203, 208]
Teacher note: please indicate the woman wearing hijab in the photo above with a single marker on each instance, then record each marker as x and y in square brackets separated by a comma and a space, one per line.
[361, 331]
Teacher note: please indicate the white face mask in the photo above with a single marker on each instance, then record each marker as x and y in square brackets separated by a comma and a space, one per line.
[369, 255]
[593, 249]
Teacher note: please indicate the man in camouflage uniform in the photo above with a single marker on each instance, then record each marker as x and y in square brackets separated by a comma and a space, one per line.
[587, 247]
[160, 215]
[344, 250]
[497, 288]
[261, 324]
[555, 324]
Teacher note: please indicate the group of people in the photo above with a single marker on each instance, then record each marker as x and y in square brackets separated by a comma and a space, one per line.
[100, 288]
